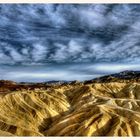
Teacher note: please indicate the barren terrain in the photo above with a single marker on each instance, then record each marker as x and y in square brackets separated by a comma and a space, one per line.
[88, 108]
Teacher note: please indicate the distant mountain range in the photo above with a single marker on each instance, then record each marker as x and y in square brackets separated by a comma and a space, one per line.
[125, 75]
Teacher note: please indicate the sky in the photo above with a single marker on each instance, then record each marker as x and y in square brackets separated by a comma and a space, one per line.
[45, 42]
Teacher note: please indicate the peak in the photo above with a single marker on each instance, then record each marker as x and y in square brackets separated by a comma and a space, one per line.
[127, 75]
[129, 72]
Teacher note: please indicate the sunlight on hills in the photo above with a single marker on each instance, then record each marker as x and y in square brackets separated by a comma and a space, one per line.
[95, 109]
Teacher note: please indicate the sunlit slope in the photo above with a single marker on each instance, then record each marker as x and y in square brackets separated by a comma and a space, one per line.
[95, 109]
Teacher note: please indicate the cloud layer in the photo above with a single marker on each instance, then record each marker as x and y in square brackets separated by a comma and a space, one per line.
[67, 33]
[42, 34]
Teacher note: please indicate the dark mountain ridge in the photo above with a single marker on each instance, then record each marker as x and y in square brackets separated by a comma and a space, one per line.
[117, 77]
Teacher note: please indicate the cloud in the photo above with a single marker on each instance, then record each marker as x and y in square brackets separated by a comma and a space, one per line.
[40, 34]
[69, 33]
[39, 51]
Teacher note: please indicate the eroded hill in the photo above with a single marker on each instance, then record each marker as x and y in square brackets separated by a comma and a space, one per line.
[72, 109]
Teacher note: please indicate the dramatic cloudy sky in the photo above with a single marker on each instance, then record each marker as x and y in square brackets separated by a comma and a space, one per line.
[42, 42]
